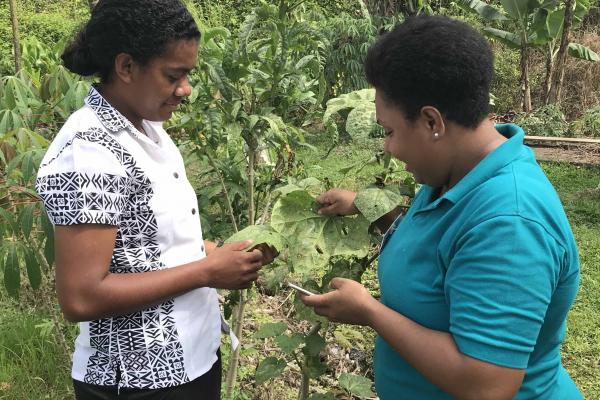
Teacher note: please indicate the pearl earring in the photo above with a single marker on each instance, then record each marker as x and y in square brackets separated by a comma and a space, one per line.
[436, 135]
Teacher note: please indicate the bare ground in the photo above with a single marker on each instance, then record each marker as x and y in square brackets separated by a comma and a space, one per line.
[584, 154]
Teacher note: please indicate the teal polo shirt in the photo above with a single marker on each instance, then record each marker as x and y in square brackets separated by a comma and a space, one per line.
[494, 263]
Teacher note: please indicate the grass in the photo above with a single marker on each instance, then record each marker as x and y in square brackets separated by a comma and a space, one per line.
[579, 189]
[33, 366]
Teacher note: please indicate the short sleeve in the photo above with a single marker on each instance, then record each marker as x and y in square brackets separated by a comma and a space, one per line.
[498, 286]
[83, 183]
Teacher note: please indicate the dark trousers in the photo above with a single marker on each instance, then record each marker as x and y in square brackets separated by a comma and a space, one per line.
[205, 387]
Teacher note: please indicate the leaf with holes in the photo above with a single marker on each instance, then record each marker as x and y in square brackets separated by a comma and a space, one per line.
[374, 202]
[314, 238]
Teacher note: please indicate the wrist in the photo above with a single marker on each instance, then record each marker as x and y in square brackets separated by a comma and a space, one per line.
[371, 311]
[203, 275]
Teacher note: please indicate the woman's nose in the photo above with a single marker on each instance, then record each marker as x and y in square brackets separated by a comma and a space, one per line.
[184, 90]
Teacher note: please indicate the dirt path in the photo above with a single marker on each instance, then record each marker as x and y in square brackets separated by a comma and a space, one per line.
[576, 153]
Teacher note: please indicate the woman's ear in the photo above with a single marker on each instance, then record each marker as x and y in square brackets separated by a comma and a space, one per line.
[434, 122]
[124, 66]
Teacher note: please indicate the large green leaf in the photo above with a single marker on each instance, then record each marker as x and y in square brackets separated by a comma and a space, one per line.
[516, 9]
[12, 272]
[361, 121]
[26, 219]
[357, 385]
[314, 238]
[271, 330]
[260, 234]
[9, 220]
[483, 9]
[314, 344]
[48, 229]
[269, 368]
[315, 367]
[508, 38]
[288, 344]
[584, 53]
[348, 100]
[374, 202]
[27, 167]
[34, 272]
[555, 22]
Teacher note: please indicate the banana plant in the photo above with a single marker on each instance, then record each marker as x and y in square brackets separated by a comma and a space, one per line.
[527, 24]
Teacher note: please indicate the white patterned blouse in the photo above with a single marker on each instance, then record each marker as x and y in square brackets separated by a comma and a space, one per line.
[101, 170]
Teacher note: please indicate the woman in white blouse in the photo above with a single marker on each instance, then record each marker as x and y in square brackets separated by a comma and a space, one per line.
[131, 264]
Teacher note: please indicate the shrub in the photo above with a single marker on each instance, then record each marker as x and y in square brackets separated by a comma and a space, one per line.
[545, 121]
[589, 123]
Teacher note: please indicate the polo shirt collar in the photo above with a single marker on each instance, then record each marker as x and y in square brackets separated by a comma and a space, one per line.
[497, 159]
[110, 117]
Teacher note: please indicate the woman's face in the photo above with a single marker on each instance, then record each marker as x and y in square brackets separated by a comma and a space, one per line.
[409, 142]
[161, 85]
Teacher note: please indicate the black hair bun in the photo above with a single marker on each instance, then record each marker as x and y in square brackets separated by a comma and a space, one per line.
[77, 56]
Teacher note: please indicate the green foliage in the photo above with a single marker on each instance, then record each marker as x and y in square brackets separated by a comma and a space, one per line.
[589, 123]
[580, 51]
[50, 22]
[271, 330]
[269, 368]
[506, 74]
[314, 238]
[546, 121]
[260, 234]
[374, 202]
[32, 363]
[360, 120]
[357, 385]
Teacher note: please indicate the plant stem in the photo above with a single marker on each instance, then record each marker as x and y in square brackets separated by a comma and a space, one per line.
[225, 192]
[305, 384]
[16, 39]
[235, 355]
[238, 321]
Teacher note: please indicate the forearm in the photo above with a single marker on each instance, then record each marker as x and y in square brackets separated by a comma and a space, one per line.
[435, 355]
[118, 294]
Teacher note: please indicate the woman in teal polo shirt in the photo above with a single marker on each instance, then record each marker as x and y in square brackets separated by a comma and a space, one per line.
[477, 278]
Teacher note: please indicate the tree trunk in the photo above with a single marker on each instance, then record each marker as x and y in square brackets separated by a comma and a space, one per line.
[525, 88]
[561, 58]
[549, 71]
[16, 39]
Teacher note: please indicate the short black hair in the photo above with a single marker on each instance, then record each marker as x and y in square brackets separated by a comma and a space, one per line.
[434, 61]
[140, 28]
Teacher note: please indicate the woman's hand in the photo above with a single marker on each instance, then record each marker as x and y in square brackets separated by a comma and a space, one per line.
[232, 267]
[349, 303]
[337, 202]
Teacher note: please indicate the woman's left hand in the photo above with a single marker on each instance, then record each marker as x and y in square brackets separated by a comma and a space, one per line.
[349, 302]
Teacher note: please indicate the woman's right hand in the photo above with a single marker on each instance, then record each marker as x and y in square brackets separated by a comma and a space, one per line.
[231, 267]
[337, 202]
